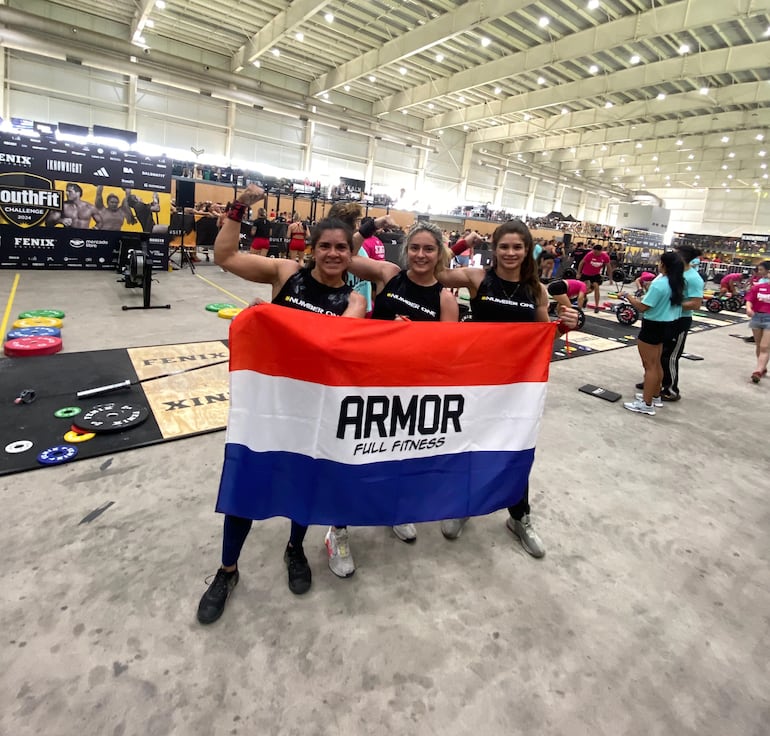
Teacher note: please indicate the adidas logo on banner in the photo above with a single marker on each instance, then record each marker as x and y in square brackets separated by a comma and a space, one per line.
[101, 172]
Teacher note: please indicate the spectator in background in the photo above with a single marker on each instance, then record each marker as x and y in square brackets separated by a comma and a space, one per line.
[590, 271]
[373, 246]
[260, 233]
[758, 310]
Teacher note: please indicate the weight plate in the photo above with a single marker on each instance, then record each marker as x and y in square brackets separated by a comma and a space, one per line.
[78, 436]
[37, 322]
[56, 455]
[54, 313]
[618, 275]
[25, 347]
[77, 430]
[732, 304]
[569, 273]
[714, 305]
[217, 306]
[627, 315]
[581, 318]
[111, 417]
[229, 312]
[33, 332]
[67, 411]
[19, 446]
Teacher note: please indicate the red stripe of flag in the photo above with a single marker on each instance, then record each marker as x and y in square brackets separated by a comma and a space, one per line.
[312, 347]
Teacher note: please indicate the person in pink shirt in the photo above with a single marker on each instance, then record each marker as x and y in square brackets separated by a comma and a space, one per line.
[758, 309]
[374, 248]
[729, 283]
[590, 270]
[565, 290]
[643, 282]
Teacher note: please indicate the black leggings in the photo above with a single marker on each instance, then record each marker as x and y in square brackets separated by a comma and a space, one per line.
[522, 507]
[236, 529]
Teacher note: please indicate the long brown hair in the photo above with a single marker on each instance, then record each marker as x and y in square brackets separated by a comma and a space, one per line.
[528, 270]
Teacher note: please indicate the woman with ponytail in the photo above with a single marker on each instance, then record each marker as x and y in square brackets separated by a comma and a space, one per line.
[660, 308]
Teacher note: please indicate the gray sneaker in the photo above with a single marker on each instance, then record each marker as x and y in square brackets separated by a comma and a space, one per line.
[340, 560]
[453, 528]
[522, 528]
[405, 532]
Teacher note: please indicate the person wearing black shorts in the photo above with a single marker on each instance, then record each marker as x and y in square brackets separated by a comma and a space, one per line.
[590, 270]
[661, 308]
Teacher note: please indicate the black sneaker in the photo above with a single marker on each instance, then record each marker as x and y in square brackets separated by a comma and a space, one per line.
[640, 386]
[669, 396]
[300, 576]
[213, 601]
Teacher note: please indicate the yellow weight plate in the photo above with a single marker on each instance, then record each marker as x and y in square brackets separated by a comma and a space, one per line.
[77, 437]
[229, 313]
[37, 322]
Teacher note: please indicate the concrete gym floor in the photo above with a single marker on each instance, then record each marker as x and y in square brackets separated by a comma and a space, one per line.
[648, 615]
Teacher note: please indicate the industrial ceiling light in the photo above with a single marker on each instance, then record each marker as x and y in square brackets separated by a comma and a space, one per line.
[347, 88]
[684, 49]
[430, 106]
[564, 111]
[704, 90]
[593, 4]
[593, 69]
[541, 80]
[160, 4]
[725, 138]
[275, 52]
[608, 104]
[762, 154]
[372, 78]
[402, 70]
[661, 96]
[635, 59]
[299, 36]
[439, 58]
[485, 41]
[679, 142]
[498, 90]
[760, 137]
[543, 22]
[731, 155]
[257, 63]
[329, 18]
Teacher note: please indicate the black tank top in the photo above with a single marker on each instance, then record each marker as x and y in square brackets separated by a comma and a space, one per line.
[302, 291]
[401, 296]
[261, 227]
[498, 300]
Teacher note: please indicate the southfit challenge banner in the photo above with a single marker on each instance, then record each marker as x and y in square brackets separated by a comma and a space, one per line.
[65, 205]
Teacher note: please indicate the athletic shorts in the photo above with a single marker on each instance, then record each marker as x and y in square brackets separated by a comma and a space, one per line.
[595, 279]
[296, 244]
[760, 321]
[260, 244]
[656, 333]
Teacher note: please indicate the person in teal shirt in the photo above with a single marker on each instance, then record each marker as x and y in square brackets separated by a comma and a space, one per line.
[660, 308]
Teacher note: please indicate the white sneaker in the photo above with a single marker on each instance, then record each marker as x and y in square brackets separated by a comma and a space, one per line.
[657, 402]
[528, 537]
[453, 528]
[405, 532]
[641, 407]
[340, 560]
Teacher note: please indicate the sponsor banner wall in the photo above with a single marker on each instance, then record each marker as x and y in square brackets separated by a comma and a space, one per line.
[41, 247]
[65, 205]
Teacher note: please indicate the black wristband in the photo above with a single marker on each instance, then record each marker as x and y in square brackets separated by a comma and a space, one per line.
[237, 211]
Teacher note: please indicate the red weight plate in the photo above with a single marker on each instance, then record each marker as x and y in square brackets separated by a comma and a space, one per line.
[23, 347]
[77, 430]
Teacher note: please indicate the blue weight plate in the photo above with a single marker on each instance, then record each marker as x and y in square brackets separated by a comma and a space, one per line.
[56, 455]
[33, 332]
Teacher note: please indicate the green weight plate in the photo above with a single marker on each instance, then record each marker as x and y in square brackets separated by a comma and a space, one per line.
[67, 411]
[52, 313]
[217, 307]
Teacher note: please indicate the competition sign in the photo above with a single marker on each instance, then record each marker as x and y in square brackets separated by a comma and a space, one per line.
[65, 205]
